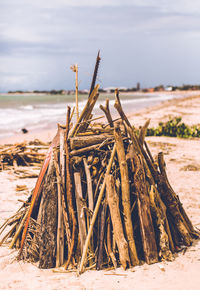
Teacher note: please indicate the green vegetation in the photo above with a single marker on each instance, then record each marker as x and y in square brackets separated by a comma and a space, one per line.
[175, 128]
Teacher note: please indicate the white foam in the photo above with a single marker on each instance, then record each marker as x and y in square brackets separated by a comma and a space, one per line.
[40, 115]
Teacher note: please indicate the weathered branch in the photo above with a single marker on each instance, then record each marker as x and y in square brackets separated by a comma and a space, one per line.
[106, 110]
[125, 188]
[80, 210]
[113, 202]
[69, 192]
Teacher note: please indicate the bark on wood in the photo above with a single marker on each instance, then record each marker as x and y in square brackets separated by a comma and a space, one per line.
[113, 202]
[101, 236]
[60, 226]
[89, 148]
[185, 217]
[109, 244]
[62, 157]
[80, 210]
[89, 185]
[148, 152]
[146, 224]
[159, 211]
[66, 220]
[69, 192]
[172, 203]
[125, 188]
[143, 132]
[106, 110]
[63, 189]
[84, 141]
[48, 232]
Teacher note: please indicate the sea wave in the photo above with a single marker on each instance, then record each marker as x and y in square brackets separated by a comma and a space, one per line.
[40, 115]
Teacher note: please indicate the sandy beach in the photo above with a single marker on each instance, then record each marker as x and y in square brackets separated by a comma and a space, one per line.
[183, 167]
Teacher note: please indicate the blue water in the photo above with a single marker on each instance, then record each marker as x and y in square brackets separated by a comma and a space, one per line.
[45, 111]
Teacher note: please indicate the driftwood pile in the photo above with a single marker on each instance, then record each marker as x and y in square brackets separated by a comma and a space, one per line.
[101, 200]
[22, 154]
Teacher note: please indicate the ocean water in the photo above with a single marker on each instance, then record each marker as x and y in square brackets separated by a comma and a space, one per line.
[45, 111]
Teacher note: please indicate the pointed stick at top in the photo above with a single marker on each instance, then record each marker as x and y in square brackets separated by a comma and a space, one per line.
[95, 73]
[74, 68]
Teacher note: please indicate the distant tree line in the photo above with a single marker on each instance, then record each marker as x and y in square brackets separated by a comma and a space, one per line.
[111, 90]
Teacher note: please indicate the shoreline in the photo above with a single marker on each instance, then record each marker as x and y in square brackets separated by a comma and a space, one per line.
[137, 118]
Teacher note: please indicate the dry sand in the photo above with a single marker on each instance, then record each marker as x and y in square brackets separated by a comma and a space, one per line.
[183, 167]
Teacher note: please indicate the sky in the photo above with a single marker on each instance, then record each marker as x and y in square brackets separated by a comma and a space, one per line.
[148, 41]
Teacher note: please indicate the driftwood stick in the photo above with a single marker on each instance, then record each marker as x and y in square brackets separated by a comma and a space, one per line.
[62, 157]
[106, 110]
[143, 132]
[80, 211]
[60, 228]
[159, 210]
[90, 148]
[84, 150]
[10, 221]
[63, 189]
[118, 107]
[9, 234]
[19, 229]
[95, 73]
[172, 202]
[125, 188]
[87, 110]
[72, 114]
[101, 236]
[148, 152]
[185, 217]
[96, 211]
[84, 141]
[113, 202]
[89, 185]
[143, 201]
[167, 228]
[69, 192]
[84, 125]
[66, 220]
[109, 245]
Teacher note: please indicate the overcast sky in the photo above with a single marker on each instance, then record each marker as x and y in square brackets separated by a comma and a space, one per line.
[150, 41]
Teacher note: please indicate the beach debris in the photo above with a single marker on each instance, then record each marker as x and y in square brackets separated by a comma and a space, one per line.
[100, 200]
[21, 187]
[24, 130]
[23, 154]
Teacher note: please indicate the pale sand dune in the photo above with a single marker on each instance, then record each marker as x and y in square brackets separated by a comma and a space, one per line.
[181, 274]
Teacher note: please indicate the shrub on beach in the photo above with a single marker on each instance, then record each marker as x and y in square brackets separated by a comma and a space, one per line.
[175, 128]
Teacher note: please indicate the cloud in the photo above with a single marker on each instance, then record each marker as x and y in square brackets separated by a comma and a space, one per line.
[48, 36]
